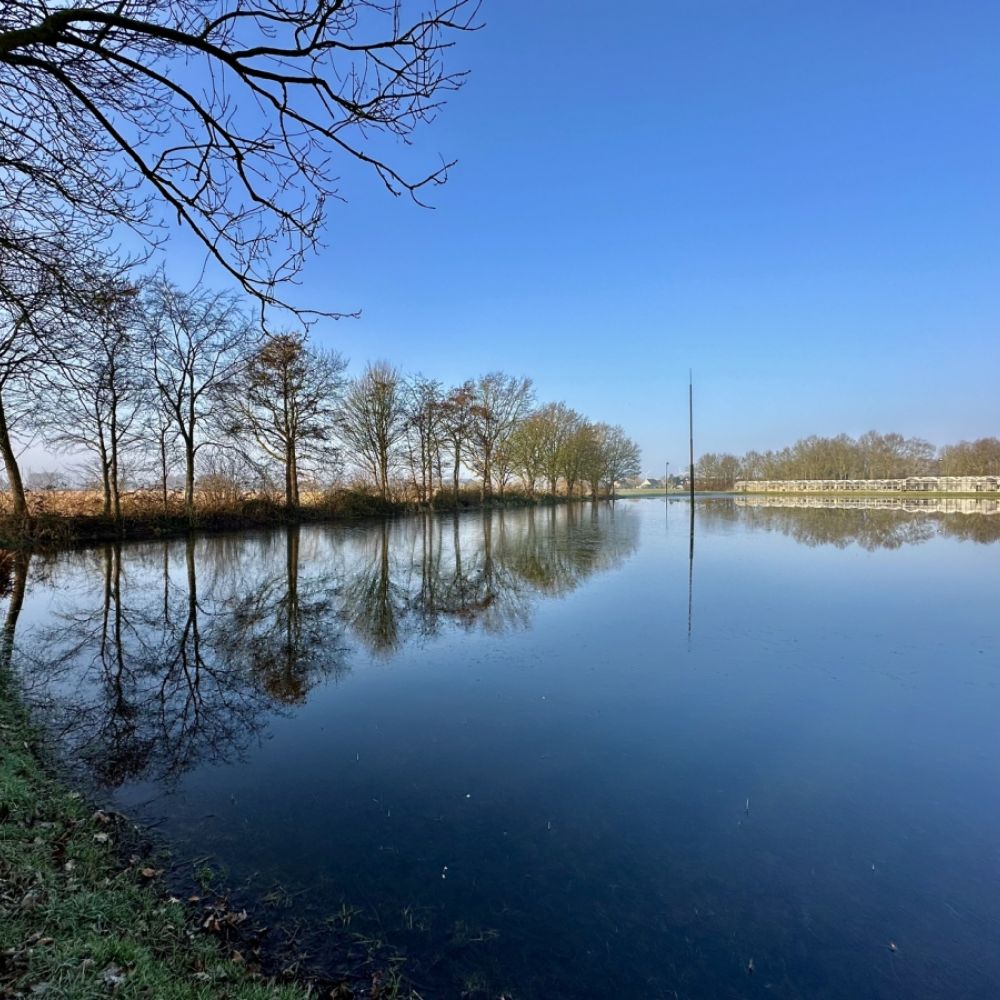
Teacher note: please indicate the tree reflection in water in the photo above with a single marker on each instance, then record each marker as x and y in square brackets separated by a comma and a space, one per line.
[282, 631]
[812, 522]
[148, 658]
[484, 571]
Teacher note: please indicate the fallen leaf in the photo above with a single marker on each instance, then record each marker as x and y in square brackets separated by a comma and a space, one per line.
[113, 976]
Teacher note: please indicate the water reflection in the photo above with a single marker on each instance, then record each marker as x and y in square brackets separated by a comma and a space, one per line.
[578, 808]
[482, 571]
[871, 524]
[156, 657]
[283, 630]
[13, 581]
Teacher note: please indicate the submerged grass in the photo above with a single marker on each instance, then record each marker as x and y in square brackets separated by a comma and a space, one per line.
[77, 920]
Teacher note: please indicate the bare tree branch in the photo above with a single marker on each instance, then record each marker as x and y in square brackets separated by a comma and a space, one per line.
[229, 117]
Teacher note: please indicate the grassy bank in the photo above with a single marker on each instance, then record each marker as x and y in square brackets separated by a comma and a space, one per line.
[65, 517]
[78, 917]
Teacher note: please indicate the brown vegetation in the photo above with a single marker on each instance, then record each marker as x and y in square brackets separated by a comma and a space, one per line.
[64, 516]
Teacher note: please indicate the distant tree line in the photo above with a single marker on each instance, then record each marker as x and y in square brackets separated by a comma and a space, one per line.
[870, 456]
[157, 385]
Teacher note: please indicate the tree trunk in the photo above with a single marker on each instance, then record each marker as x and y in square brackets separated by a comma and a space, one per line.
[189, 478]
[163, 467]
[487, 488]
[116, 498]
[291, 477]
[105, 478]
[14, 481]
[189, 452]
[383, 475]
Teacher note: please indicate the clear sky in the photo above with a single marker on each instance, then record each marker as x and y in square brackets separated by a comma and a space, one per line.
[798, 200]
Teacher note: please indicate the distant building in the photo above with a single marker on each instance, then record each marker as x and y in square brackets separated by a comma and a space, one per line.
[651, 484]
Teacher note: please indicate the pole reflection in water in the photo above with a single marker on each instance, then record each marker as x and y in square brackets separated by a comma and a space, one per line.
[690, 571]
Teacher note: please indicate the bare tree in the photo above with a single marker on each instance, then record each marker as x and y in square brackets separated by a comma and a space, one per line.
[622, 456]
[372, 420]
[501, 402]
[425, 420]
[576, 455]
[97, 393]
[871, 456]
[22, 356]
[558, 424]
[198, 343]
[40, 271]
[457, 425]
[592, 456]
[525, 450]
[286, 399]
[717, 471]
[227, 117]
[972, 458]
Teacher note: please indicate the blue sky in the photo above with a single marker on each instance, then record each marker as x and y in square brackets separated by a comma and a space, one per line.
[800, 201]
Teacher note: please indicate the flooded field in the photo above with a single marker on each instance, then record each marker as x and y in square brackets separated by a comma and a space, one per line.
[562, 752]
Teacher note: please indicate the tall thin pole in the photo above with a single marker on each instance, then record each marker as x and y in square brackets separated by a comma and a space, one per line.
[691, 428]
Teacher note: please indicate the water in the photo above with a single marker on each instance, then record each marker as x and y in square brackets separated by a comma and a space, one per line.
[544, 754]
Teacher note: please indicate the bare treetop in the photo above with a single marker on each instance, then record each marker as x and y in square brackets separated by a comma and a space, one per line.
[229, 116]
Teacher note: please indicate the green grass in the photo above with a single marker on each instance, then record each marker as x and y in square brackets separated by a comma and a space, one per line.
[78, 920]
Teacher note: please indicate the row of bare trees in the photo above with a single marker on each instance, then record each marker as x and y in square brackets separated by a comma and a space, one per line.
[490, 426]
[156, 383]
[123, 121]
[870, 456]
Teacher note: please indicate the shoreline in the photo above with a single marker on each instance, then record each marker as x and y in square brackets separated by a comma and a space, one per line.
[86, 908]
[83, 913]
[53, 529]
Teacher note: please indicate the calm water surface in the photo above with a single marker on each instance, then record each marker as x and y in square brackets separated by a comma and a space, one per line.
[544, 754]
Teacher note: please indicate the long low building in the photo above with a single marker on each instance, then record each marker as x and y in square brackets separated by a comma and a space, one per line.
[912, 484]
